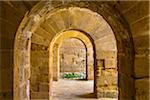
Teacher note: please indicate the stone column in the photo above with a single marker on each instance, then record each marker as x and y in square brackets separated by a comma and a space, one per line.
[22, 57]
[106, 81]
[90, 63]
[55, 64]
[23, 62]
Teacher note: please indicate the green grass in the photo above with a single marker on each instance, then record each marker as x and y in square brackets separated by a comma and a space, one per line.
[72, 76]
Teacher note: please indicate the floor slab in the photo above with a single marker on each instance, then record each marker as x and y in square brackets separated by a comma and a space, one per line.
[64, 89]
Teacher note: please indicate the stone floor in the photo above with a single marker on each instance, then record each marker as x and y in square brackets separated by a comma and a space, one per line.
[74, 90]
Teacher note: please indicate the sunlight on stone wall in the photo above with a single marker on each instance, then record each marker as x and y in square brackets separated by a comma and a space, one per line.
[72, 56]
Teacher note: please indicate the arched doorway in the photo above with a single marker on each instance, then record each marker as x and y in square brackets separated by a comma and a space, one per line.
[54, 52]
[73, 72]
[90, 53]
[121, 32]
[73, 59]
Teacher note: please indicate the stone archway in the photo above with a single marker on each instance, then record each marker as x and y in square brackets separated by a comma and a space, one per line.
[111, 20]
[54, 51]
[73, 59]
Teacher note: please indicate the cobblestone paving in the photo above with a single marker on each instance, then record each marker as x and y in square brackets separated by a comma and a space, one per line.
[74, 90]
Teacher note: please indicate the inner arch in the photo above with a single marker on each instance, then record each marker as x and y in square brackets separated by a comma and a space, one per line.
[54, 51]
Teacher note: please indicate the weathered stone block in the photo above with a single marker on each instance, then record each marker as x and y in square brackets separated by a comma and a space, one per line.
[44, 69]
[6, 13]
[40, 95]
[107, 94]
[108, 77]
[142, 41]
[142, 89]
[40, 40]
[7, 77]
[137, 30]
[125, 6]
[111, 63]
[126, 86]
[141, 66]
[125, 66]
[43, 78]
[34, 87]
[138, 11]
[106, 54]
[44, 87]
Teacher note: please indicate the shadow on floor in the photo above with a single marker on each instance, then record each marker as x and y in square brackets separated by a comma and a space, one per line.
[87, 95]
[81, 79]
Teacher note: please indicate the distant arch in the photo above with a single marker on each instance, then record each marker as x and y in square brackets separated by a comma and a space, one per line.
[54, 51]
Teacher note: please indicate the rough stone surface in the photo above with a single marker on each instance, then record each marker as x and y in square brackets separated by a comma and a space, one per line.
[72, 56]
[142, 89]
[39, 84]
[122, 16]
[74, 90]
[54, 51]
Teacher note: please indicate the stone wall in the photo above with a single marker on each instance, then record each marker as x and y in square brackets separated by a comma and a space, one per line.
[136, 14]
[11, 14]
[72, 56]
[107, 73]
[39, 81]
